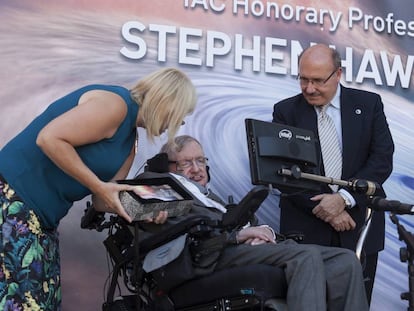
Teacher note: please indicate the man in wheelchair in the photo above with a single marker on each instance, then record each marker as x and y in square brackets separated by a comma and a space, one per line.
[309, 277]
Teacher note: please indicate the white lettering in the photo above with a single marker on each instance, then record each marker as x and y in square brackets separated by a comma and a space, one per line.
[411, 27]
[127, 29]
[271, 55]
[400, 28]
[287, 12]
[241, 52]
[334, 20]
[354, 15]
[379, 24]
[257, 8]
[295, 50]
[243, 3]
[185, 46]
[162, 31]
[213, 50]
[217, 8]
[268, 9]
[389, 20]
[205, 5]
[311, 16]
[368, 61]
[397, 69]
[278, 55]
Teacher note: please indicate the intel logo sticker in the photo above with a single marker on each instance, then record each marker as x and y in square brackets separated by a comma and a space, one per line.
[285, 133]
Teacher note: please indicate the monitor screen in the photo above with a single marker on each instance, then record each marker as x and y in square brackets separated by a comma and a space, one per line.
[273, 147]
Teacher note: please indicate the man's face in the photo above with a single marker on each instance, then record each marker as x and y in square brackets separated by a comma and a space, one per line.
[191, 163]
[318, 80]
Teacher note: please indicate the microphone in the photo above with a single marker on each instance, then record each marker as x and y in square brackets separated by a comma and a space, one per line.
[364, 186]
[381, 204]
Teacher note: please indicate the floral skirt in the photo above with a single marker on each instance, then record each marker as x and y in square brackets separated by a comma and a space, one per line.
[29, 258]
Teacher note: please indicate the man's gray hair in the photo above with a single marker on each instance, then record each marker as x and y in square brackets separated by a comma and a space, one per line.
[171, 149]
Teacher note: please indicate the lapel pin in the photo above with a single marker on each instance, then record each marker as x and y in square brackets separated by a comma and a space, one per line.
[358, 111]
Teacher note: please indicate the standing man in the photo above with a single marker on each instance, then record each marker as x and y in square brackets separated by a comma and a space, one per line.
[360, 146]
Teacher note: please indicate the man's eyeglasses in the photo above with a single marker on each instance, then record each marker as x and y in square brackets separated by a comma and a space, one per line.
[316, 82]
[200, 162]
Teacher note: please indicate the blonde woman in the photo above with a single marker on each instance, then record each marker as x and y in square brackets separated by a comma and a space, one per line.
[76, 147]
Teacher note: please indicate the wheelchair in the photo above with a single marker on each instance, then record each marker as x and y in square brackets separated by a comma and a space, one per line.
[253, 287]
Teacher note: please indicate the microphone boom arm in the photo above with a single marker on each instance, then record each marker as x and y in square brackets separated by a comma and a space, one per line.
[357, 185]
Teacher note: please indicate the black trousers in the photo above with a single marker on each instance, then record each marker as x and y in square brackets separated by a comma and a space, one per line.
[369, 270]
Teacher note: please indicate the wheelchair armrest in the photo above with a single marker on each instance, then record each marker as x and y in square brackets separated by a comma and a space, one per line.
[198, 223]
[240, 214]
[92, 219]
[121, 242]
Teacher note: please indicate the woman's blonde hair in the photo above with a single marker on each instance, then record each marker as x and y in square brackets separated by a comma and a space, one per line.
[165, 97]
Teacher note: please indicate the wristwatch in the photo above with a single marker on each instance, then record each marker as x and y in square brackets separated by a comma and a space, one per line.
[347, 202]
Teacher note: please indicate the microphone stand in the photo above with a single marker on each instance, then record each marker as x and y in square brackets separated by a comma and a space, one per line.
[406, 255]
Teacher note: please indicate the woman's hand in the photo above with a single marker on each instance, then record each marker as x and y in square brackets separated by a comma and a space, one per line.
[106, 198]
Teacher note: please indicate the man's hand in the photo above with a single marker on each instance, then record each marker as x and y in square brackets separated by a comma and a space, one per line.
[329, 207]
[160, 219]
[255, 235]
[343, 222]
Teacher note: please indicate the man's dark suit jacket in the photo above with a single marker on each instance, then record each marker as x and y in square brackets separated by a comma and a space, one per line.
[367, 154]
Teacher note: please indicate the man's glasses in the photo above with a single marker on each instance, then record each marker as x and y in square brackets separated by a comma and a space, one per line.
[200, 162]
[315, 82]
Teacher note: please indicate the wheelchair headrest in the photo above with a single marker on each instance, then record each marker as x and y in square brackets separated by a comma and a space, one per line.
[158, 163]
